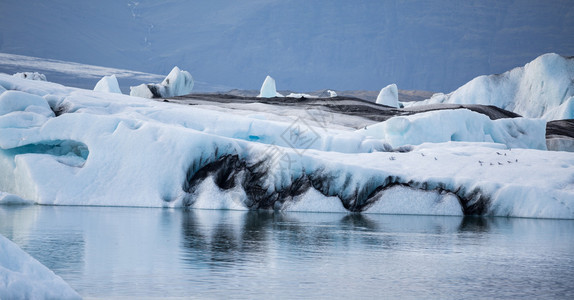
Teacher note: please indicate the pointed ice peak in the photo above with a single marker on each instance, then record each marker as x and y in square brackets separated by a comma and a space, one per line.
[389, 96]
[108, 84]
[178, 83]
[268, 89]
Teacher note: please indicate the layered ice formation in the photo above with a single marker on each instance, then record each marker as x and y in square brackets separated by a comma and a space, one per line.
[23, 277]
[108, 84]
[176, 83]
[543, 88]
[389, 96]
[67, 146]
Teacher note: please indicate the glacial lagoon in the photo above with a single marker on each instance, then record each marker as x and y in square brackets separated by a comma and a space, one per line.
[106, 252]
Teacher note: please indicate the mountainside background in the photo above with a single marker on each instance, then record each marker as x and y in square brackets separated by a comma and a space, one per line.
[305, 45]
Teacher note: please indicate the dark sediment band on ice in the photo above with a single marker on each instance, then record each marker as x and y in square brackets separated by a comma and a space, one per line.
[563, 128]
[343, 105]
[229, 171]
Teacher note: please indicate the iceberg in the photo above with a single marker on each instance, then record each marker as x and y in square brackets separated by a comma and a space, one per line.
[542, 88]
[108, 84]
[68, 146]
[268, 89]
[23, 277]
[31, 76]
[389, 96]
[177, 83]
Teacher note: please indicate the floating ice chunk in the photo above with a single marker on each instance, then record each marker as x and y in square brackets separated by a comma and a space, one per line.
[389, 96]
[23, 277]
[31, 76]
[332, 94]
[177, 83]
[268, 89]
[108, 84]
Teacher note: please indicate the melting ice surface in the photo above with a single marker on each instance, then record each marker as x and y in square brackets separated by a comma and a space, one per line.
[109, 252]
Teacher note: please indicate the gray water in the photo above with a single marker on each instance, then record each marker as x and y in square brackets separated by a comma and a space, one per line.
[137, 252]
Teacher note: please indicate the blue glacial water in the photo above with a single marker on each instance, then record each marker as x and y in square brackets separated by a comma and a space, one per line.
[107, 252]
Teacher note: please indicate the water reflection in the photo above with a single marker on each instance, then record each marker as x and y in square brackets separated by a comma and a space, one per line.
[229, 238]
[54, 246]
[476, 224]
[114, 252]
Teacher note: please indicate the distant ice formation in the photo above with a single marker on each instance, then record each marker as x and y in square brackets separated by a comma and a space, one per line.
[23, 277]
[177, 83]
[268, 89]
[31, 76]
[300, 95]
[389, 96]
[108, 84]
[543, 88]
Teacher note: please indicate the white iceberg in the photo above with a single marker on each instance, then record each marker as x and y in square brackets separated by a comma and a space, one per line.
[389, 96]
[99, 145]
[177, 83]
[268, 89]
[23, 277]
[108, 84]
[542, 88]
[31, 76]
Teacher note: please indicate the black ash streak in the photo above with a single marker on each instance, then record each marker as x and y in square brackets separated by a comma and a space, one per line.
[229, 171]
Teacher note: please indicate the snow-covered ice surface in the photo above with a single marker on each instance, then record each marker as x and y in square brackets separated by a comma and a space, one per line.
[70, 146]
[543, 88]
[23, 277]
[460, 125]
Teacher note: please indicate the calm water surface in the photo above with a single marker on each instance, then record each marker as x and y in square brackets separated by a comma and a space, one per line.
[114, 252]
